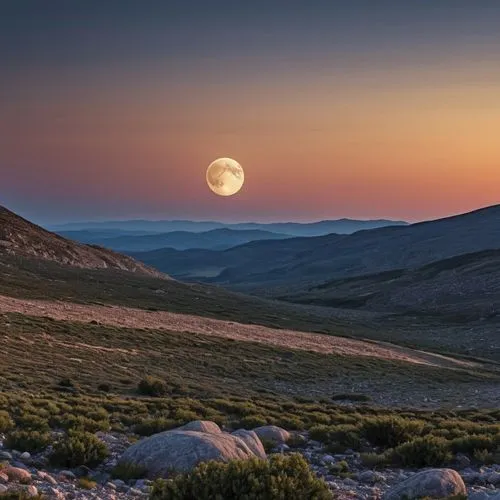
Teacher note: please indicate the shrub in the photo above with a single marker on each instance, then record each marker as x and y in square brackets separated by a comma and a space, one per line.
[280, 477]
[468, 444]
[27, 440]
[32, 422]
[78, 448]
[6, 423]
[290, 422]
[429, 451]
[152, 386]
[127, 471]
[252, 421]
[343, 437]
[389, 432]
[374, 460]
[320, 433]
[484, 457]
[81, 423]
[86, 483]
[155, 425]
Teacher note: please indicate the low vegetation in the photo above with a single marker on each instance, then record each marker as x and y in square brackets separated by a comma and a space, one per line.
[78, 448]
[279, 477]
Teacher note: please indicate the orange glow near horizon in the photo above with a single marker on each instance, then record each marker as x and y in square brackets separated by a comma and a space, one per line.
[416, 148]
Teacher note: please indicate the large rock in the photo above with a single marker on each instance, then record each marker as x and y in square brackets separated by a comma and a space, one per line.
[17, 474]
[272, 433]
[251, 439]
[201, 426]
[182, 450]
[434, 483]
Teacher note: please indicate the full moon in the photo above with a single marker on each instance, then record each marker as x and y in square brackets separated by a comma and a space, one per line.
[225, 176]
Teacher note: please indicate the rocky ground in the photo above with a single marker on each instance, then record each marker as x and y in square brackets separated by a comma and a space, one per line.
[345, 474]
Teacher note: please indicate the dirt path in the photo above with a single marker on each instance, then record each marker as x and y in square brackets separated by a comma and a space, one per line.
[138, 318]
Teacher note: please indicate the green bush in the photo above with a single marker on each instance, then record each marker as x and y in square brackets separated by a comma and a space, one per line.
[252, 421]
[32, 422]
[127, 471]
[81, 423]
[6, 423]
[78, 448]
[389, 432]
[468, 444]
[20, 495]
[27, 440]
[152, 386]
[428, 451]
[281, 477]
[343, 437]
[154, 425]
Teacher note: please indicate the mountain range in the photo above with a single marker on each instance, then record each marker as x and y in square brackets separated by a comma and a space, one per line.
[311, 270]
[340, 226]
[215, 239]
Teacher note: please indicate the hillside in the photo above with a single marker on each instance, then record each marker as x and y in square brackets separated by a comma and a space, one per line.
[294, 265]
[465, 286]
[20, 238]
[215, 239]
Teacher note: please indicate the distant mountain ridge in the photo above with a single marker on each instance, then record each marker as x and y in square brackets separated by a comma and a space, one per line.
[278, 268]
[340, 226]
[21, 238]
[215, 239]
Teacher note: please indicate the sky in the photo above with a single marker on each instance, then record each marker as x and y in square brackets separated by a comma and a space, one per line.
[356, 108]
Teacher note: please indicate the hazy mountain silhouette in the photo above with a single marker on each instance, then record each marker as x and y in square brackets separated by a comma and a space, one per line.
[341, 226]
[293, 265]
[216, 239]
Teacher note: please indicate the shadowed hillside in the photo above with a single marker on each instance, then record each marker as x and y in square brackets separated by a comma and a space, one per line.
[21, 238]
[465, 286]
[294, 265]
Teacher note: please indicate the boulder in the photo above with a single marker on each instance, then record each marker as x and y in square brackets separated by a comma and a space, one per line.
[17, 474]
[180, 450]
[251, 439]
[201, 426]
[434, 483]
[272, 433]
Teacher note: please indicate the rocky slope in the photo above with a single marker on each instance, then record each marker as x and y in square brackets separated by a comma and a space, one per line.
[21, 238]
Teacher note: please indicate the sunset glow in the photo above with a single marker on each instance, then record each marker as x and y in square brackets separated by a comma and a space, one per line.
[402, 123]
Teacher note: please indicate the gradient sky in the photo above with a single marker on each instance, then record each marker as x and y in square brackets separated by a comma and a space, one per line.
[359, 108]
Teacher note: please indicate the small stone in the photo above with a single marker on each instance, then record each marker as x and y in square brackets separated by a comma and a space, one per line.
[45, 476]
[5, 455]
[83, 471]
[67, 475]
[479, 495]
[350, 482]
[111, 486]
[328, 459]
[3, 478]
[17, 474]
[32, 491]
[135, 492]
[462, 461]
[25, 456]
[494, 478]
[3, 489]
[56, 494]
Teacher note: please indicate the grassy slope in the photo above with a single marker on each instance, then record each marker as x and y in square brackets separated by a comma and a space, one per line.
[38, 352]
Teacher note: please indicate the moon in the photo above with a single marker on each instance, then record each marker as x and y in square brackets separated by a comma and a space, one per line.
[225, 176]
